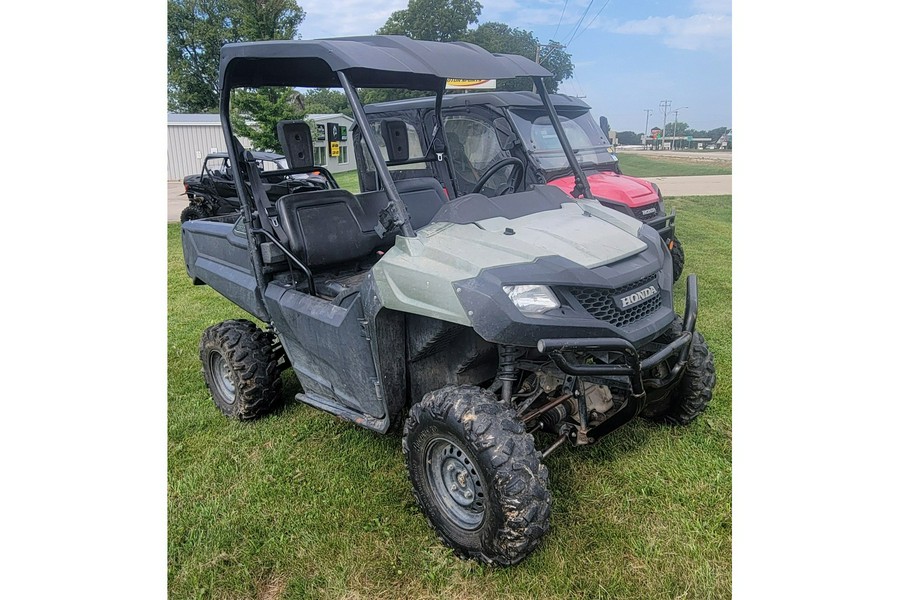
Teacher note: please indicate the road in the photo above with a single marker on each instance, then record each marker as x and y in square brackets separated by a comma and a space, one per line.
[722, 156]
[693, 185]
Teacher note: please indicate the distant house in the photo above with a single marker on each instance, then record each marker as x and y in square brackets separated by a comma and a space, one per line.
[192, 136]
[346, 156]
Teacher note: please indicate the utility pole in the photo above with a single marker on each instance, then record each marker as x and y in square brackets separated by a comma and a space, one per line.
[649, 112]
[537, 55]
[664, 106]
[675, 131]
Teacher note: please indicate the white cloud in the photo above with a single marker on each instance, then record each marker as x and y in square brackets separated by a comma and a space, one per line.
[697, 32]
[347, 17]
[526, 14]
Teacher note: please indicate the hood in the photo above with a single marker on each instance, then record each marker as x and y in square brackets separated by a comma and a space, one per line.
[600, 237]
[417, 274]
[603, 237]
[630, 191]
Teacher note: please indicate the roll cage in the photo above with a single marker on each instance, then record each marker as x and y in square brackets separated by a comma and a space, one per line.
[508, 120]
[348, 63]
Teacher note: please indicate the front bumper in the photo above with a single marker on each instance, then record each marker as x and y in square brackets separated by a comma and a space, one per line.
[633, 368]
[664, 225]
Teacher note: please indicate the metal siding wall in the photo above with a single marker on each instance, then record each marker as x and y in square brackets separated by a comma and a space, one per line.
[184, 141]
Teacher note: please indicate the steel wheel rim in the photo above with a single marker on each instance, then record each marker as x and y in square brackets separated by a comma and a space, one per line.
[222, 376]
[455, 482]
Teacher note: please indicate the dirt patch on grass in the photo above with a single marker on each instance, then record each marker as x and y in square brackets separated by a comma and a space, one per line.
[272, 588]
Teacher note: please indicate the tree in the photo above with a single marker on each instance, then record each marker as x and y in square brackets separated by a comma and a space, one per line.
[255, 114]
[500, 38]
[670, 127]
[196, 31]
[325, 100]
[628, 138]
[433, 20]
[716, 133]
[448, 21]
[268, 19]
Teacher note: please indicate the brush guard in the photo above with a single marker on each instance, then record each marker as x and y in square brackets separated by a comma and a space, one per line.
[664, 225]
[633, 368]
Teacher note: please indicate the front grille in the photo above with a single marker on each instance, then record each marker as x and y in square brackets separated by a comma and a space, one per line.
[600, 304]
[639, 212]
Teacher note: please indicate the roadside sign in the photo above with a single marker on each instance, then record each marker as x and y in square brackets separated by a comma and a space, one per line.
[471, 84]
[335, 148]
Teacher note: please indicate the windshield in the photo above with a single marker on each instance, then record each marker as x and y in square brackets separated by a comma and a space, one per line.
[539, 137]
[271, 165]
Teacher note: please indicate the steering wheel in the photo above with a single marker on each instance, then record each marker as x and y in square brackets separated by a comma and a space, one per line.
[512, 183]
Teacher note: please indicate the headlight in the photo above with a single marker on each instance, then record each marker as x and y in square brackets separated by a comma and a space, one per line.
[531, 299]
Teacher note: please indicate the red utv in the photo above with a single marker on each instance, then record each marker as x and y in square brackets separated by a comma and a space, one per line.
[502, 142]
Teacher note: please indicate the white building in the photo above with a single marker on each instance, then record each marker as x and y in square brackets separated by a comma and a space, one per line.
[346, 158]
[192, 136]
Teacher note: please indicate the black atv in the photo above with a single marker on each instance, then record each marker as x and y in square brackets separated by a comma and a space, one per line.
[213, 192]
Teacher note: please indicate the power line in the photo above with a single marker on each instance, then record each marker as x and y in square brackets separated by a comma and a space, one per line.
[591, 23]
[560, 18]
[537, 55]
[580, 21]
[580, 87]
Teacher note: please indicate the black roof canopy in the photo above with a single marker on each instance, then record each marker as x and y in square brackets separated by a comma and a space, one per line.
[370, 61]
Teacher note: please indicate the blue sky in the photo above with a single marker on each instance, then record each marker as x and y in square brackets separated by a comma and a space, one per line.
[628, 56]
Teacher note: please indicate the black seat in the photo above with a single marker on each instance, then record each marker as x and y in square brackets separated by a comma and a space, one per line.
[423, 196]
[328, 227]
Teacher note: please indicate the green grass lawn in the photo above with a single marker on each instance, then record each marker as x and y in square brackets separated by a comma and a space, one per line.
[302, 505]
[640, 165]
[348, 180]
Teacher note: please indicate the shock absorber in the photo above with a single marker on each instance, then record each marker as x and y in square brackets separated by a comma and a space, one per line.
[507, 372]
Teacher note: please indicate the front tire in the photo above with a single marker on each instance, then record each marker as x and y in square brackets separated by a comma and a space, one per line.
[477, 475]
[677, 252]
[693, 393]
[241, 370]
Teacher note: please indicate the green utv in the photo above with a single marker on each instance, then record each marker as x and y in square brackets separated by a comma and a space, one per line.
[501, 328]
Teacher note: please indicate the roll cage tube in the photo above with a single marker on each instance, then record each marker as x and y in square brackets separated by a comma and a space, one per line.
[437, 142]
[253, 240]
[582, 189]
[396, 209]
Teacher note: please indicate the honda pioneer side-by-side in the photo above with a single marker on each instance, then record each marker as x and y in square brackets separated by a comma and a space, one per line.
[486, 131]
[490, 331]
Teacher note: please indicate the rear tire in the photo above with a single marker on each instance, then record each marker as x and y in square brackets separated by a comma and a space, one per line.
[677, 252]
[193, 212]
[477, 475]
[240, 367]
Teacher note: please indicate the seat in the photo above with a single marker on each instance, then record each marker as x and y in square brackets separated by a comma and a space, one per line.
[327, 227]
[423, 196]
[330, 227]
